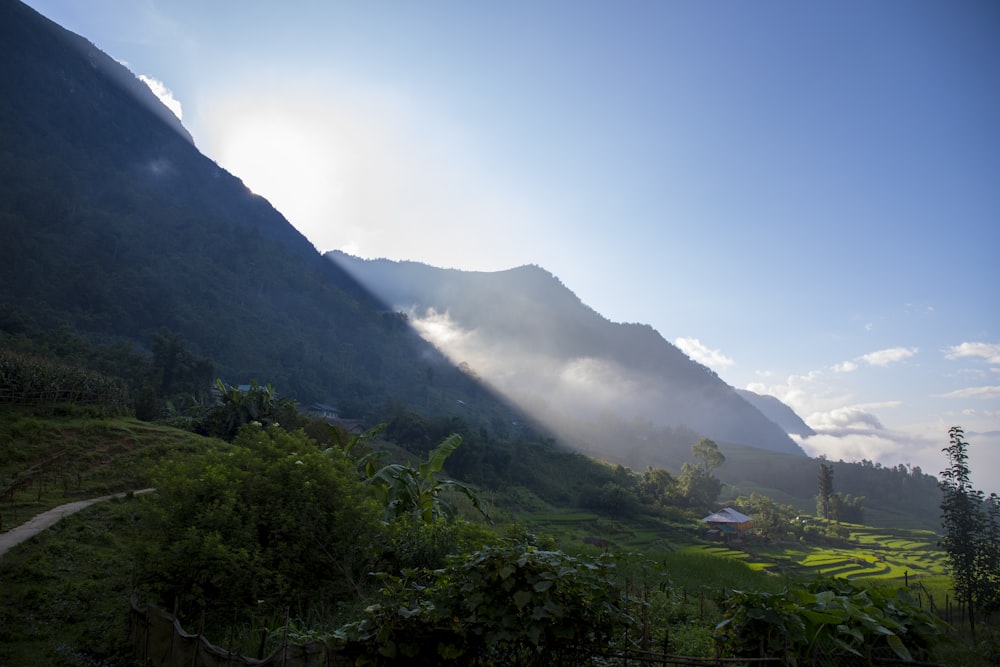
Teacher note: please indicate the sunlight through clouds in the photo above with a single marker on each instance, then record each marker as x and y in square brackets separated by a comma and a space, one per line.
[364, 170]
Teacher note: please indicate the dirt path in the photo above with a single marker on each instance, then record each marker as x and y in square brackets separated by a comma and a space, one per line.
[37, 524]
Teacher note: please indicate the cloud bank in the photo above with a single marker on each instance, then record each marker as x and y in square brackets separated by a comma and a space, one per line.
[165, 95]
[703, 354]
[890, 356]
[988, 351]
[973, 392]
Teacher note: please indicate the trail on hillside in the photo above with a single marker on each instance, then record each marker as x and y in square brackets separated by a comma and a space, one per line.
[38, 523]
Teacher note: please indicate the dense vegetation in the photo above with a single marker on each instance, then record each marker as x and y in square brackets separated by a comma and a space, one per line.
[271, 536]
[287, 517]
[144, 292]
[971, 533]
[132, 254]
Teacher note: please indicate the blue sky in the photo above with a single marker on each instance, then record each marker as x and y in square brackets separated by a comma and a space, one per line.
[803, 196]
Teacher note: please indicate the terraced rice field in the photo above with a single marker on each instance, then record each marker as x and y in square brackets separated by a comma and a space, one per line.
[869, 553]
[893, 556]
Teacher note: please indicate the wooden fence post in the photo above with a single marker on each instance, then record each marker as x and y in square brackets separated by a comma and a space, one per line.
[284, 639]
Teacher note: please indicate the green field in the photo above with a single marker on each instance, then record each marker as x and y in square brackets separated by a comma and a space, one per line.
[73, 580]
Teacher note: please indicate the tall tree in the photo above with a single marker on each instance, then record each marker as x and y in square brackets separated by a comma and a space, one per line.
[700, 487]
[708, 455]
[824, 497]
[268, 518]
[971, 525]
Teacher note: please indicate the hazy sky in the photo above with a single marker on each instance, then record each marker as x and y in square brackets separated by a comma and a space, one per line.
[803, 196]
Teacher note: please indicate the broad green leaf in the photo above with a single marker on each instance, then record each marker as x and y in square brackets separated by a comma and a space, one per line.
[897, 645]
[822, 617]
[450, 651]
[542, 586]
[435, 461]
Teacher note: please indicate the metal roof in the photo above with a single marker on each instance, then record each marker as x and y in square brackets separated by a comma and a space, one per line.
[727, 515]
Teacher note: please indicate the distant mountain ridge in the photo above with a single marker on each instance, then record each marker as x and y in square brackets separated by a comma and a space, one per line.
[529, 336]
[778, 412]
[116, 227]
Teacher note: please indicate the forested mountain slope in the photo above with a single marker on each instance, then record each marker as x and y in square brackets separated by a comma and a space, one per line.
[117, 227]
[528, 335]
[778, 412]
[117, 230]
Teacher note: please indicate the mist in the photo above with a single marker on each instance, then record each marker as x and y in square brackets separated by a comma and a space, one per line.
[615, 391]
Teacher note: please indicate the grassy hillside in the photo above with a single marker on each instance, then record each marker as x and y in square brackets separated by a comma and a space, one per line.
[54, 455]
[65, 593]
[894, 496]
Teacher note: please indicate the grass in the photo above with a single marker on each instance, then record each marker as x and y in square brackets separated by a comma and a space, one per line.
[68, 455]
[64, 594]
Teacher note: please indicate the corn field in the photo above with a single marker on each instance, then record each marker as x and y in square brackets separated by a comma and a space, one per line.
[27, 380]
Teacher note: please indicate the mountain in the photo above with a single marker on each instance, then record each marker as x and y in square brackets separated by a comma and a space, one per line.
[778, 412]
[118, 233]
[117, 228]
[527, 335]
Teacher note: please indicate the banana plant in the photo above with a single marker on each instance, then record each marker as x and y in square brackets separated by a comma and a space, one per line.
[418, 492]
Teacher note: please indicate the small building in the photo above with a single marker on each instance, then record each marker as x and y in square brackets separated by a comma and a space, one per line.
[324, 411]
[729, 523]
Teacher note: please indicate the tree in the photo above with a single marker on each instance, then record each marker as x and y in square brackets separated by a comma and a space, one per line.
[238, 407]
[971, 526]
[824, 497]
[770, 519]
[268, 518]
[658, 488]
[405, 491]
[699, 486]
[708, 455]
[176, 370]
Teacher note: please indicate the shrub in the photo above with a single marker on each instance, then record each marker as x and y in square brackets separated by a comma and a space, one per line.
[508, 603]
[830, 617]
[269, 518]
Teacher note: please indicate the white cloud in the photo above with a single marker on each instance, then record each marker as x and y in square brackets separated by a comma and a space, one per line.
[805, 394]
[886, 446]
[845, 367]
[438, 328]
[701, 353]
[850, 419]
[889, 356]
[841, 420]
[856, 432]
[988, 351]
[165, 94]
[973, 392]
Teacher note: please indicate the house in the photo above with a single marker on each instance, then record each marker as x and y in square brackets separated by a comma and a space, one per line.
[324, 411]
[729, 523]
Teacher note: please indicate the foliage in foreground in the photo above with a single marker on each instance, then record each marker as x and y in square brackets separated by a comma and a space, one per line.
[64, 600]
[830, 617]
[508, 603]
[971, 524]
[270, 517]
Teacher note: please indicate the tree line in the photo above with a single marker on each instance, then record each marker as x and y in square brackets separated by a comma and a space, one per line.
[971, 523]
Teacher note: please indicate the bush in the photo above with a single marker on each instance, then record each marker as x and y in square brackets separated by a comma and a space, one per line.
[831, 617]
[268, 520]
[508, 603]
